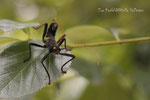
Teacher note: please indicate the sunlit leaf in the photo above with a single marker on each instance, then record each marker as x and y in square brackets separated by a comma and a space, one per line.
[8, 25]
[18, 78]
[17, 34]
[4, 40]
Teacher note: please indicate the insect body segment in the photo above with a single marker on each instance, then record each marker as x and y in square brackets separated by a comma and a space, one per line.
[51, 44]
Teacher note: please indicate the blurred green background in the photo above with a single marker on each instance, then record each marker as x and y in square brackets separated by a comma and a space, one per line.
[117, 72]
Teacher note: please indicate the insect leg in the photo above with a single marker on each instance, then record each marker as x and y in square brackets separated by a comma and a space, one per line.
[69, 55]
[33, 44]
[37, 27]
[45, 67]
[45, 30]
[61, 40]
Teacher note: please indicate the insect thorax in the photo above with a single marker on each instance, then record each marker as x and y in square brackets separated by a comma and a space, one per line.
[50, 42]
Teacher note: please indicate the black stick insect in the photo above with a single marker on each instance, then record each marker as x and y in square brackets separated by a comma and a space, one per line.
[51, 44]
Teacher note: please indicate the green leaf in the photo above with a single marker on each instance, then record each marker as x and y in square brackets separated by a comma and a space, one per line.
[4, 40]
[18, 78]
[87, 33]
[8, 25]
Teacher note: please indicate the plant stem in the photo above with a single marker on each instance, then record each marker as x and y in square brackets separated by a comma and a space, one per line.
[111, 43]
